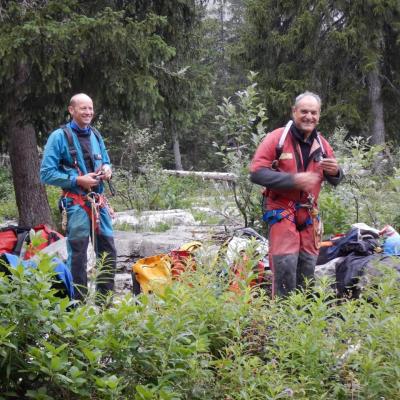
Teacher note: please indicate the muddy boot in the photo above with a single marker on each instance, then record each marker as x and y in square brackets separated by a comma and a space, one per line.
[284, 268]
[305, 269]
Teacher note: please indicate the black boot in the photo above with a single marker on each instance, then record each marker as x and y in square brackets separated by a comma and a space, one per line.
[305, 269]
[105, 278]
[284, 268]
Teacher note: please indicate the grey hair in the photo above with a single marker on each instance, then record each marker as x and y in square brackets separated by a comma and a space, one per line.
[305, 94]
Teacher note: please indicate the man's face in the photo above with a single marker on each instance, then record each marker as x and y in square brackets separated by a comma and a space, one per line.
[82, 111]
[306, 114]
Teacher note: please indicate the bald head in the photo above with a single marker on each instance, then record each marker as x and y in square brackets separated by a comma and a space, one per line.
[81, 109]
[76, 98]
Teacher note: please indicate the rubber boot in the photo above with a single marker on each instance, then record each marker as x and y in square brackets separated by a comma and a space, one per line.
[305, 269]
[284, 270]
[105, 279]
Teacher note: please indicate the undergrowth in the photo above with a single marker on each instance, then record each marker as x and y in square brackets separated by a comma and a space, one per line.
[198, 340]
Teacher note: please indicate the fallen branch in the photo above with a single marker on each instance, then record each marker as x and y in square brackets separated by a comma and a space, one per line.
[217, 176]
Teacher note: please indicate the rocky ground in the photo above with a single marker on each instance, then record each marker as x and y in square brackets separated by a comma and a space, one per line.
[139, 239]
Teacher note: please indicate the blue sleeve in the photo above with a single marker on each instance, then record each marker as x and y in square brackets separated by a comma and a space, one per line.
[51, 171]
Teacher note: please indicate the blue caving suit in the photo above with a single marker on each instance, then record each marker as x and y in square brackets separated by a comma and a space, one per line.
[58, 169]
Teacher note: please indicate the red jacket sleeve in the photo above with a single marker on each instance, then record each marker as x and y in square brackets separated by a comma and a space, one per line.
[266, 151]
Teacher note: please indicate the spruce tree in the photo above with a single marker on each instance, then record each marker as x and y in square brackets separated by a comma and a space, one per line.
[348, 52]
[50, 50]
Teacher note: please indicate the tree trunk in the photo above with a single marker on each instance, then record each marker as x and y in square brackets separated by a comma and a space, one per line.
[375, 97]
[177, 150]
[30, 194]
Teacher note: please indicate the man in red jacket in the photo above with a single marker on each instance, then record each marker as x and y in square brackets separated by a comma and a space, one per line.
[292, 162]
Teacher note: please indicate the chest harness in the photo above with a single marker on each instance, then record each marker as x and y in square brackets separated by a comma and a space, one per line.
[91, 202]
[274, 216]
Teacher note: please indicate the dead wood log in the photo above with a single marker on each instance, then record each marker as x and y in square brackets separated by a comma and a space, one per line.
[216, 176]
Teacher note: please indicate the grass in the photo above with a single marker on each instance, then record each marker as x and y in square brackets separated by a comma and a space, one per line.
[205, 218]
[125, 227]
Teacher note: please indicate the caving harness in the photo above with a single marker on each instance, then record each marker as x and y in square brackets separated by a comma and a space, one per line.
[314, 219]
[91, 202]
[273, 216]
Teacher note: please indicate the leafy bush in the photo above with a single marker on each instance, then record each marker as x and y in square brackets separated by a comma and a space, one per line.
[335, 214]
[242, 122]
[154, 190]
[8, 206]
[198, 340]
[53, 195]
[370, 191]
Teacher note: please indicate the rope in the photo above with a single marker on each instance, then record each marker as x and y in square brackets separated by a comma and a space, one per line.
[94, 200]
[94, 224]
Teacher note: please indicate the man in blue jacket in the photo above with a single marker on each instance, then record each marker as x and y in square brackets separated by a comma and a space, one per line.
[75, 159]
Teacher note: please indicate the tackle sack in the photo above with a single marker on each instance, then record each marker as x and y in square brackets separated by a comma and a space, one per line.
[12, 239]
[153, 274]
[15, 239]
[255, 271]
[261, 275]
[354, 241]
[183, 259]
[48, 235]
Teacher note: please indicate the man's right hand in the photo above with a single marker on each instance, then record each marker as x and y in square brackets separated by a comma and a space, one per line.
[306, 181]
[87, 181]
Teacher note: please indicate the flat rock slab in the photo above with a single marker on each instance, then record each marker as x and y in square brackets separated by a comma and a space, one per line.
[144, 244]
[134, 245]
[152, 219]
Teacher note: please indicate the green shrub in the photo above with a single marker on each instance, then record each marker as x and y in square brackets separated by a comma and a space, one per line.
[8, 206]
[205, 218]
[155, 190]
[370, 190]
[8, 210]
[53, 195]
[198, 340]
[334, 213]
[242, 121]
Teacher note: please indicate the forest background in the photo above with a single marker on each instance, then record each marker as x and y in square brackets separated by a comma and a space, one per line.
[172, 86]
[195, 85]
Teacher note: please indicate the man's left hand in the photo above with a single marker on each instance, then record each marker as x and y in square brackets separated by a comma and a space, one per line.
[330, 166]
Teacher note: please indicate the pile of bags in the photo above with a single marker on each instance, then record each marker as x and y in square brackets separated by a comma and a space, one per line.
[153, 274]
[17, 248]
[351, 259]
